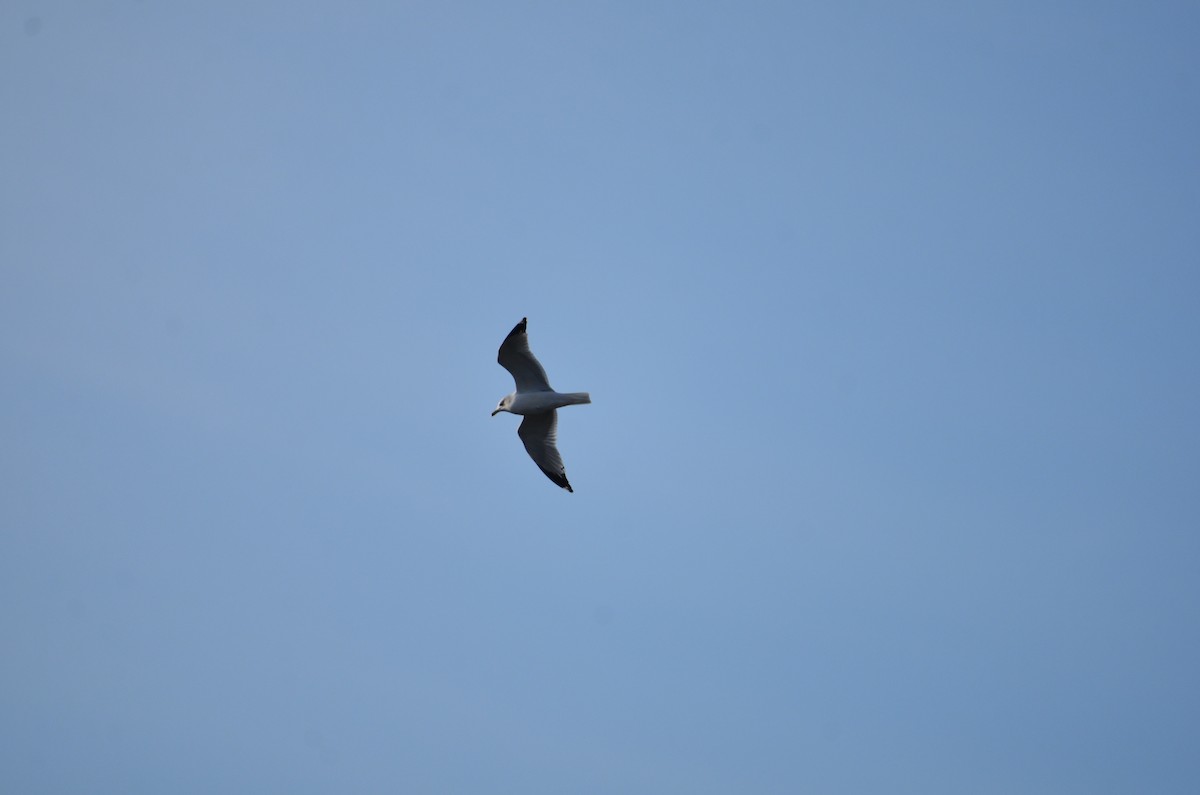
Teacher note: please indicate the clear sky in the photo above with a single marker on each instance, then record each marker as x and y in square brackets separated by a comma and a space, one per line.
[890, 313]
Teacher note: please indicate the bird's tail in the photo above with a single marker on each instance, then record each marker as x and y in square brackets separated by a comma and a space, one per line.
[576, 397]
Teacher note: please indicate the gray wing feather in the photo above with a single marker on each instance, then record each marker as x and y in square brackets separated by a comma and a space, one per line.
[516, 357]
[539, 432]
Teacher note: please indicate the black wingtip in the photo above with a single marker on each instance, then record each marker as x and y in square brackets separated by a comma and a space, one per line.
[558, 480]
[517, 329]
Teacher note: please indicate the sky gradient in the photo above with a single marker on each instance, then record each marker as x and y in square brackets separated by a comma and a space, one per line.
[889, 317]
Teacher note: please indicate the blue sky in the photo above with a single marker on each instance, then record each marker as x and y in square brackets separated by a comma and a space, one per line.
[889, 317]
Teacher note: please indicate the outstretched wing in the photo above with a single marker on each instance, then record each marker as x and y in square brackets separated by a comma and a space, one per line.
[539, 432]
[516, 357]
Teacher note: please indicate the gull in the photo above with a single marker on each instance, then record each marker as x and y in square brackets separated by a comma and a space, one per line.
[537, 402]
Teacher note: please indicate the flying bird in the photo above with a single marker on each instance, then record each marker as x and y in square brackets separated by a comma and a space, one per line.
[537, 402]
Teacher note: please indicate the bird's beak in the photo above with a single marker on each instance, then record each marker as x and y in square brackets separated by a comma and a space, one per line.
[497, 411]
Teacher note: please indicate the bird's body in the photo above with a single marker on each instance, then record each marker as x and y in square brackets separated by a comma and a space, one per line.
[537, 402]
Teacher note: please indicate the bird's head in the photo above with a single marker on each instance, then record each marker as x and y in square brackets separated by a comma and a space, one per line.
[505, 404]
